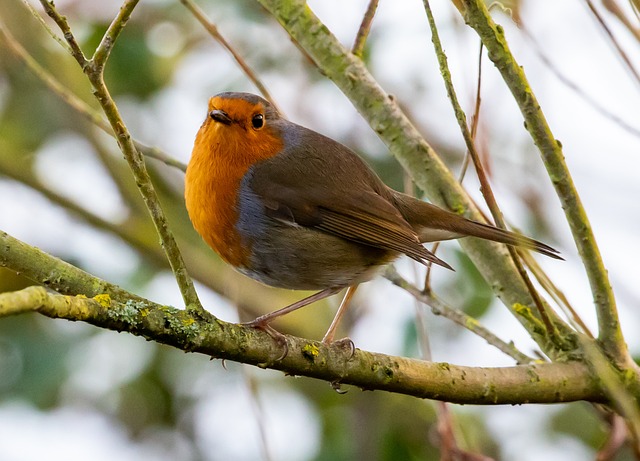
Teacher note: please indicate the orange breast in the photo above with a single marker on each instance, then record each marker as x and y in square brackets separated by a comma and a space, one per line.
[221, 156]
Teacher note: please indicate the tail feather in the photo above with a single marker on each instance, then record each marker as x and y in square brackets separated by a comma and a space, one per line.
[485, 231]
[432, 223]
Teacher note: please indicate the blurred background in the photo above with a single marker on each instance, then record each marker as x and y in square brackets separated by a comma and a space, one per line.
[72, 392]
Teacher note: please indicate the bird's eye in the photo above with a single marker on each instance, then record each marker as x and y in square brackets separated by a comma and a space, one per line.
[257, 121]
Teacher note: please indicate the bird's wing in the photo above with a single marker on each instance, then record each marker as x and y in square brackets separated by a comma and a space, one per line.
[353, 211]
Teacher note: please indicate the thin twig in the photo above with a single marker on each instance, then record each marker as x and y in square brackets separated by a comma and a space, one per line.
[365, 28]
[94, 70]
[632, 70]
[438, 307]
[485, 187]
[258, 412]
[78, 104]
[615, 438]
[465, 161]
[475, 119]
[44, 24]
[624, 400]
[555, 292]
[215, 33]
[575, 88]
[615, 9]
[62, 23]
[476, 16]
[103, 50]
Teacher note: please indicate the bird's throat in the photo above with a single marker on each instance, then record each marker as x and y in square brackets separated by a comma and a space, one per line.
[219, 161]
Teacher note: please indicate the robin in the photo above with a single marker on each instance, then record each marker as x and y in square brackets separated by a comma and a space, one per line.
[294, 209]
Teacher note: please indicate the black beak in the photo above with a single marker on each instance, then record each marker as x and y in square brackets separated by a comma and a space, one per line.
[220, 116]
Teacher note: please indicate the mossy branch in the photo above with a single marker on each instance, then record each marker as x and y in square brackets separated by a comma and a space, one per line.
[477, 16]
[404, 141]
[540, 383]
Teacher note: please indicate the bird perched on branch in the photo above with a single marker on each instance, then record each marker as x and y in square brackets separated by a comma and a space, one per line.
[294, 209]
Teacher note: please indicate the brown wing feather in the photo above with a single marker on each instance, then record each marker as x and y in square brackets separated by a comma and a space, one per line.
[369, 229]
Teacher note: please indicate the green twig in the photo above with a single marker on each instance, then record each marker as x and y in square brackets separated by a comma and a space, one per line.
[62, 23]
[404, 141]
[103, 50]
[365, 27]
[75, 102]
[438, 307]
[46, 27]
[476, 16]
[618, 388]
[485, 187]
[215, 33]
[94, 69]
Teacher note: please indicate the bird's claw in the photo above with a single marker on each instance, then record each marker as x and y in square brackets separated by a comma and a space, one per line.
[275, 334]
[344, 343]
[336, 386]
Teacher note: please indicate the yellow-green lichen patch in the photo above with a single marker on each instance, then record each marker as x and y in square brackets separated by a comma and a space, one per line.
[310, 351]
[533, 375]
[103, 299]
[388, 374]
[471, 323]
[526, 313]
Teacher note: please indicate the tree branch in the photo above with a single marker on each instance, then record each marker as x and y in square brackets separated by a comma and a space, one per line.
[405, 142]
[485, 186]
[466, 321]
[75, 102]
[54, 273]
[103, 51]
[476, 16]
[363, 32]
[541, 383]
[217, 36]
[94, 71]
[62, 23]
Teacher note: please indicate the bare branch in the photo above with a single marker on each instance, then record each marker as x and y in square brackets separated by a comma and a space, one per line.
[215, 33]
[46, 27]
[440, 308]
[62, 23]
[365, 27]
[94, 70]
[607, 31]
[109, 38]
[476, 16]
[485, 187]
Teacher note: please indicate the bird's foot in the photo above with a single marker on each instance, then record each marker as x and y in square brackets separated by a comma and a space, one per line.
[260, 324]
[344, 343]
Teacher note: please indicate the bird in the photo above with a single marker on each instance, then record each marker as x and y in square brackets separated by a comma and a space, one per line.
[292, 208]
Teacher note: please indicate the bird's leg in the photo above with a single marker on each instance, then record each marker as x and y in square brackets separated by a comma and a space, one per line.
[328, 337]
[266, 319]
[263, 321]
